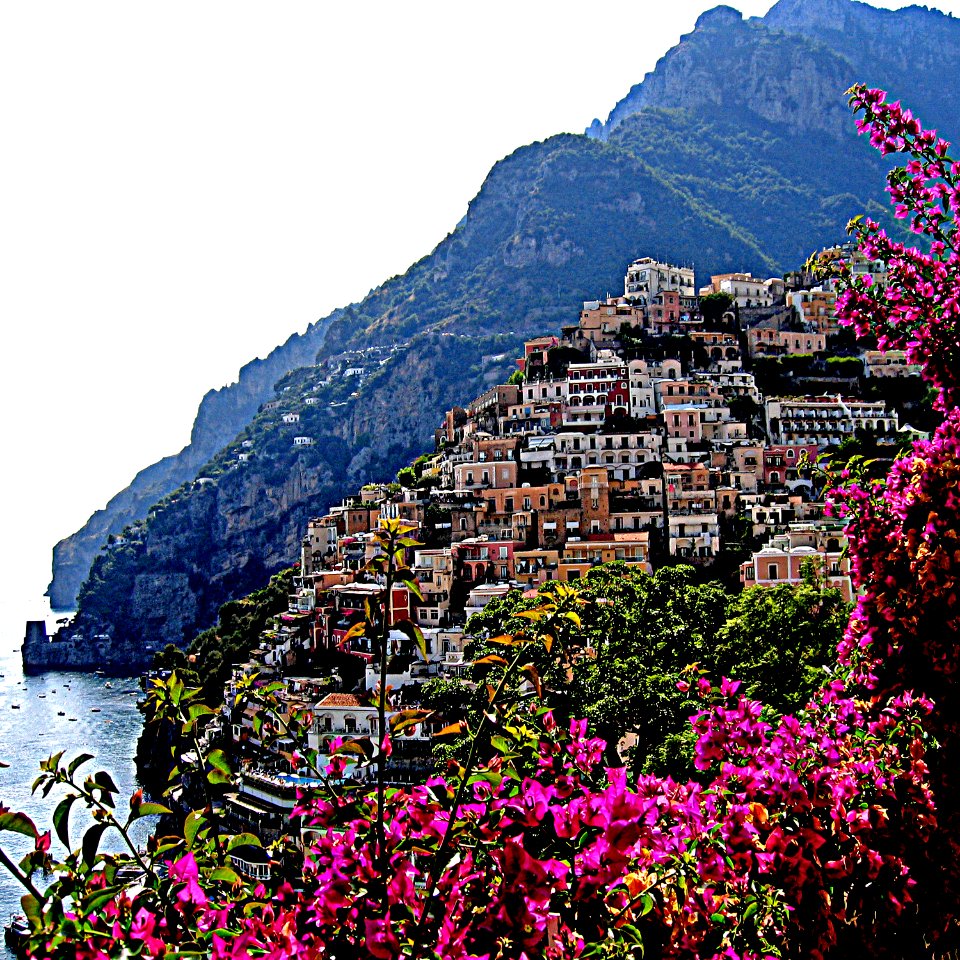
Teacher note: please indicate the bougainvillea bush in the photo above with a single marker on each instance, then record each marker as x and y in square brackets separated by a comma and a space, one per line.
[832, 832]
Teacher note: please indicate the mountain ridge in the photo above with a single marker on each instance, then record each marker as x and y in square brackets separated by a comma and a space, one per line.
[554, 223]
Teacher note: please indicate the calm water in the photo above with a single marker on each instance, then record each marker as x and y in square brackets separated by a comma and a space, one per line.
[35, 730]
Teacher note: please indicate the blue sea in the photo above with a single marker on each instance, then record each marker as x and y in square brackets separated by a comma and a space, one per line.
[60, 711]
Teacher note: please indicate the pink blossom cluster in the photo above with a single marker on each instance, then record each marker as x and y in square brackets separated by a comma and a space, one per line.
[919, 309]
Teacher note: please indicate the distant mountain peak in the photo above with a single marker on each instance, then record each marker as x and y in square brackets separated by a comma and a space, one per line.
[821, 47]
[808, 16]
[720, 17]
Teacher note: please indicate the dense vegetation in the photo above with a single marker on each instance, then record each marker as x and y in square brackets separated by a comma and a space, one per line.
[642, 641]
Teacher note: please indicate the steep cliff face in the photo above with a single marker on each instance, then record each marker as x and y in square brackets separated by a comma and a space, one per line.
[718, 158]
[792, 66]
[221, 415]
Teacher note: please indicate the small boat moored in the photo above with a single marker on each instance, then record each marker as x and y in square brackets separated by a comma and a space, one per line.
[16, 934]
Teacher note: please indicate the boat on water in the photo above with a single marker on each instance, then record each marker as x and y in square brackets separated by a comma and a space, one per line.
[99, 673]
[16, 934]
[61, 713]
[94, 709]
[73, 719]
[41, 696]
[14, 706]
[108, 685]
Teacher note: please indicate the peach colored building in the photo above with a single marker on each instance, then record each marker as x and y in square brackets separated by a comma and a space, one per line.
[767, 341]
[602, 319]
[816, 308]
[787, 556]
[580, 557]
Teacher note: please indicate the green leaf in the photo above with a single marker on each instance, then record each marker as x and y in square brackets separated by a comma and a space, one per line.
[413, 633]
[507, 640]
[194, 821]
[407, 720]
[218, 760]
[217, 777]
[91, 842]
[18, 823]
[225, 875]
[243, 840]
[362, 746]
[407, 578]
[750, 911]
[52, 762]
[453, 730]
[198, 710]
[646, 904]
[357, 630]
[78, 761]
[105, 781]
[152, 810]
[531, 670]
[31, 909]
[533, 615]
[100, 898]
[61, 818]
[633, 935]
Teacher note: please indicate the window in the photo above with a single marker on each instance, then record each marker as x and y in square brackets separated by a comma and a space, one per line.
[773, 572]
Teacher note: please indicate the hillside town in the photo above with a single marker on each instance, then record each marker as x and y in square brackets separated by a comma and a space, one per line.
[637, 435]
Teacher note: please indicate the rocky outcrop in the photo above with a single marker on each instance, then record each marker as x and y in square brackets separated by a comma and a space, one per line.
[221, 416]
[792, 66]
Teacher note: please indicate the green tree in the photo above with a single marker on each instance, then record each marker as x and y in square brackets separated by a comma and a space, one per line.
[713, 306]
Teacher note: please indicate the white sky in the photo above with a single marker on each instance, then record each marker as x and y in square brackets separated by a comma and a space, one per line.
[183, 185]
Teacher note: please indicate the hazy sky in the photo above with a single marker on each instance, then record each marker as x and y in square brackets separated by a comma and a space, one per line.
[185, 184]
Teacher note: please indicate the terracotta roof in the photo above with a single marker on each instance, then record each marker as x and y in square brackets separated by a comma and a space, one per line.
[340, 700]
